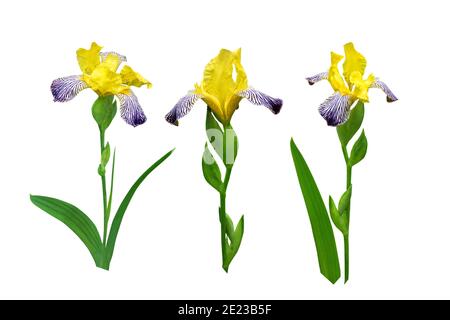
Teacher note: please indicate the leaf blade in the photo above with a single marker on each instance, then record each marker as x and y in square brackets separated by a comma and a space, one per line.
[340, 220]
[211, 170]
[214, 133]
[347, 130]
[319, 219]
[359, 150]
[75, 220]
[115, 225]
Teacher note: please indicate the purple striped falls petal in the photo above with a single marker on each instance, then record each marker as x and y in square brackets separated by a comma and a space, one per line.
[103, 56]
[316, 78]
[390, 96]
[65, 89]
[335, 110]
[182, 108]
[259, 98]
[130, 109]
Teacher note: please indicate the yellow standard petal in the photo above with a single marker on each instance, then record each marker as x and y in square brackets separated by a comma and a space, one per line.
[354, 61]
[361, 86]
[112, 62]
[223, 78]
[334, 76]
[89, 59]
[132, 78]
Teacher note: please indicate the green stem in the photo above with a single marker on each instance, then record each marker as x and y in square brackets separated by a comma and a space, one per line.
[223, 239]
[347, 257]
[223, 196]
[346, 237]
[105, 197]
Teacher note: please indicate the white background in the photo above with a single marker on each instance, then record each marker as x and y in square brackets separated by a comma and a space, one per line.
[169, 244]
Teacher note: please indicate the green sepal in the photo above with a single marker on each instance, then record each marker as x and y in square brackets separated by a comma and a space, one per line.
[344, 202]
[359, 150]
[348, 129]
[104, 110]
[339, 220]
[211, 170]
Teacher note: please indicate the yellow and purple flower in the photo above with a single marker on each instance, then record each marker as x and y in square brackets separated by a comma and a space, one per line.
[99, 72]
[349, 87]
[222, 91]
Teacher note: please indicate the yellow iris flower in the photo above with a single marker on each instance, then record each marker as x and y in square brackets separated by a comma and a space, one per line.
[223, 86]
[99, 72]
[350, 86]
[102, 77]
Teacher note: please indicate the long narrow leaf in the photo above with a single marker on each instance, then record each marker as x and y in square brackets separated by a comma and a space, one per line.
[108, 208]
[75, 219]
[115, 226]
[318, 216]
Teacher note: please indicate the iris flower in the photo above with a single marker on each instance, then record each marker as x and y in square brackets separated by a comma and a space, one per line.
[349, 87]
[221, 91]
[99, 72]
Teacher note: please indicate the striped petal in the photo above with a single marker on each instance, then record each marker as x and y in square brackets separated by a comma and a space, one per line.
[65, 89]
[318, 77]
[103, 56]
[335, 110]
[130, 109]
[259, 98]
[182, 108]
[390, 96]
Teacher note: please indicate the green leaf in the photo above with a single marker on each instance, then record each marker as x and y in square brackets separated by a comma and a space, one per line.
[229, 226]
[339, 220]
[104, 110]
[318, 216]
[101, 170]
[236, 239]
[106, 154]
[237, 236]
[359, 150]
[214, 133]
[211, 170]
[76, 220]
[115, 226]
[108, 208]
[344, 202]
[348, 129]
[232, 145]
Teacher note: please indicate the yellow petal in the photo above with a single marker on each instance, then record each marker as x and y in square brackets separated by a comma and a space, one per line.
[361, 86]
[105, 82]
[218, 81]
[334, 76]
[354, 61]
[132, 78]
[335, 59]
[89, 59]
[111, 62]
[211, 101]
[241, 76]
[218, 75]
